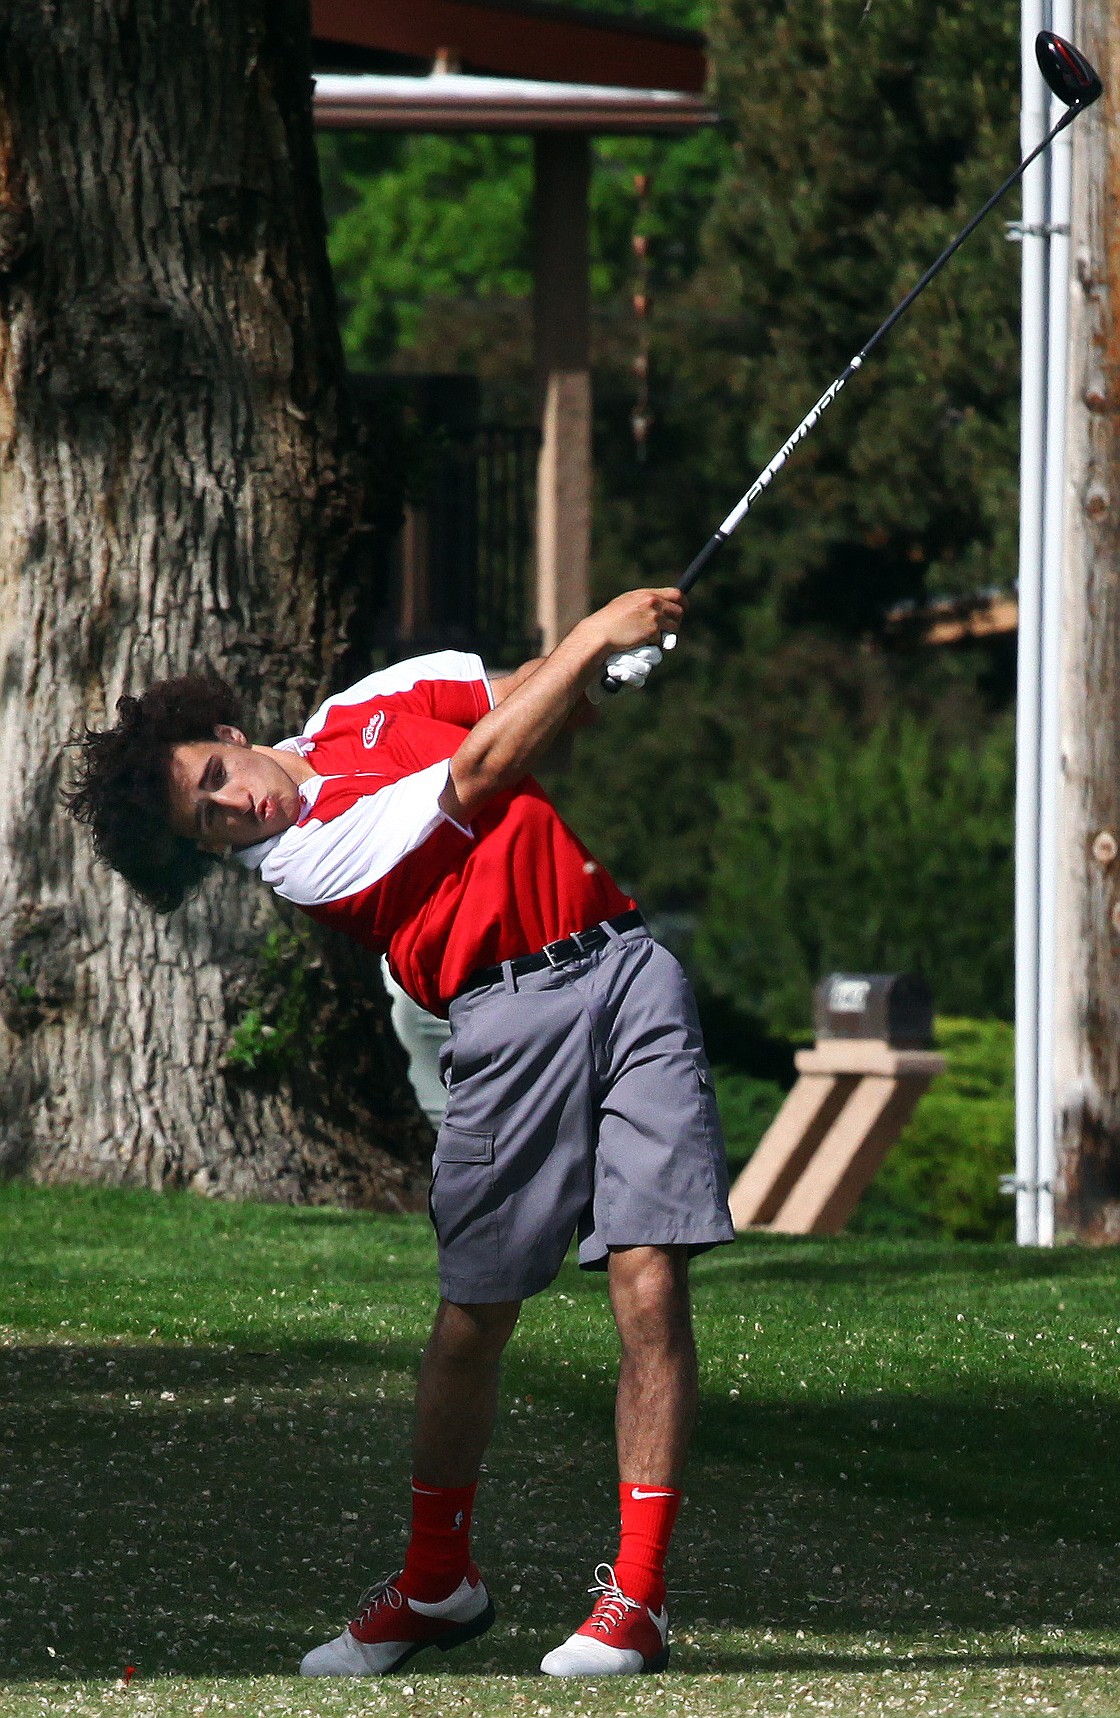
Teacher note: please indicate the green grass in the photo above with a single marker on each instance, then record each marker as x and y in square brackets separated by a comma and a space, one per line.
[903, 1496]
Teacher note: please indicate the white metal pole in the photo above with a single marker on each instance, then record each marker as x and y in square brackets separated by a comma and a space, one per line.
[1057, 361]
[1027, 718]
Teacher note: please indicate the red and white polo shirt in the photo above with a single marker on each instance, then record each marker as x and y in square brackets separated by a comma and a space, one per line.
[375, 857]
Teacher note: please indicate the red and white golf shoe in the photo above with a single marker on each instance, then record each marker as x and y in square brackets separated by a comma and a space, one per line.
[619, 1638]
[391, 1628]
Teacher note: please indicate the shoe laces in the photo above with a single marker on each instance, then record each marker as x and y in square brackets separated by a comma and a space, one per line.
[612, 1604]
[381, 1593]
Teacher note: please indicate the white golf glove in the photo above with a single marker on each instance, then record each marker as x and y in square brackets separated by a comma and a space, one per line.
[632, 668]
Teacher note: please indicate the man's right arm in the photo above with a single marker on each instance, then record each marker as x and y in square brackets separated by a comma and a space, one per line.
[503, 746]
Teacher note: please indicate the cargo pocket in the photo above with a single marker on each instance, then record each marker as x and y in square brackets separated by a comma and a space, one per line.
[713, 1133]
[462, 1202]
[456, 1145]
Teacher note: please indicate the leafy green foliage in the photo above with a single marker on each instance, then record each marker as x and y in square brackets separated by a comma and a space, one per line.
[423, 223]
[443, 218]
[278, 1013]
[942, 1178]
[862, 144]
[856, 146]
[747, 1106]
[881, 854]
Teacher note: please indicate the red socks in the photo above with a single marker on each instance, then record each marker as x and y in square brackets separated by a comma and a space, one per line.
[648, 1513]
[439, 1551]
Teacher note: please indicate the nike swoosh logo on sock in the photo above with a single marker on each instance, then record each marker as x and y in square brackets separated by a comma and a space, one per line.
[640, 1496]
[423, 1490]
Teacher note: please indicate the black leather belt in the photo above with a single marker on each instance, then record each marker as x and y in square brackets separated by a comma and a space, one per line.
[560, 953]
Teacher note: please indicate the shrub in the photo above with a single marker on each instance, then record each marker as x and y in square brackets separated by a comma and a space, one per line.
[747, 1106]
[881, 853]
[942, 1178]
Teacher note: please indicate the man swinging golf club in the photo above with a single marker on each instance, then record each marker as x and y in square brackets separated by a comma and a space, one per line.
[579, 1097]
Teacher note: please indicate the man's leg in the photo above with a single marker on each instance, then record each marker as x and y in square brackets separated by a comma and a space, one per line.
[654, 1414]
[656, 1404]
[457, 1395]
[456, 1404]
[439, 1598]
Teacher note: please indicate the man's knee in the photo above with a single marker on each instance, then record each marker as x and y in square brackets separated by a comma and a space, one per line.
[471, 1332]
[649, 1293]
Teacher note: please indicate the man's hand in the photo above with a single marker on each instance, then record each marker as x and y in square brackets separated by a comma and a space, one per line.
[630, 669]
[633, 667]
[657, 614]
[638, 618]
[627, 670]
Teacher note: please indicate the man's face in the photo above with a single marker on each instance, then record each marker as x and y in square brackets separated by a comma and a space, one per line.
[226, 793]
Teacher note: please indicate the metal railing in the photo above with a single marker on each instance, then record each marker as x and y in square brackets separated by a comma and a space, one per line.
[505, 475]
[462, 567]
[461, 572]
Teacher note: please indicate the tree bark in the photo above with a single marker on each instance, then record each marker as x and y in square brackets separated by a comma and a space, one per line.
[176, 490]
[1087, 1053]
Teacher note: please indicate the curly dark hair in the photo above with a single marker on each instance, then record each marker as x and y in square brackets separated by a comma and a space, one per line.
[121, 790]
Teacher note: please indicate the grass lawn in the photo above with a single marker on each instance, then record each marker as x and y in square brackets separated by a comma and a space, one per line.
[903, 1496]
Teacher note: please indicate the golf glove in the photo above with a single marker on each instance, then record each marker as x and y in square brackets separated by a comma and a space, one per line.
[633, 667]
[630, 668]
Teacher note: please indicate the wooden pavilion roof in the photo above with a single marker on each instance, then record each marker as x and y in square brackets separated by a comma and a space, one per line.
[510, 38]
[453, 102]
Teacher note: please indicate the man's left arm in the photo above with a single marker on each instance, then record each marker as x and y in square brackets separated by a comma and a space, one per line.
[503, 683]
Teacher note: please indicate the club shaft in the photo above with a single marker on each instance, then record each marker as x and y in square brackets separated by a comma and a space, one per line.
[813, 416]
[950, 249]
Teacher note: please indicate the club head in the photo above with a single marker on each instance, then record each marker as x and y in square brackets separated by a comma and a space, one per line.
[1067, 72]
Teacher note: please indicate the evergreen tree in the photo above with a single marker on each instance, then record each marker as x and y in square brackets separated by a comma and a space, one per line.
[868, 855]
[857, 149]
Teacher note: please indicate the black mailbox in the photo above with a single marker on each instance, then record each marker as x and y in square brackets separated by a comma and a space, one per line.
[896, 1007]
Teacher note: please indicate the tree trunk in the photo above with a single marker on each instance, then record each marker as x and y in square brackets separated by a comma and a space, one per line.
[1087, 1057]
[175, 491]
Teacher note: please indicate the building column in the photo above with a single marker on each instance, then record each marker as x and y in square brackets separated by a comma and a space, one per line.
[561, 353]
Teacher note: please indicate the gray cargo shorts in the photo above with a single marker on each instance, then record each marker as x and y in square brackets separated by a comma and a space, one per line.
[579, 1100]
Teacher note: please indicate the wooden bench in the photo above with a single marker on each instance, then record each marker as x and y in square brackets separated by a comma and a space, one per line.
[853, 1097]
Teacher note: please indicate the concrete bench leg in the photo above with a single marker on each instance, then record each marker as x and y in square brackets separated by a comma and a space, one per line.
[841, 1169]
[786, 1147]
[823, 1147]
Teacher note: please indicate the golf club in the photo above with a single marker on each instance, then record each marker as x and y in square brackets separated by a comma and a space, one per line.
[1074, 82]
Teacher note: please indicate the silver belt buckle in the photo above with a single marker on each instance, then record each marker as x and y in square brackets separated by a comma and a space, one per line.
[552, 954]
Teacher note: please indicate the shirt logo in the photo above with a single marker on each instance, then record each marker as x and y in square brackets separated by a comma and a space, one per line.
[372, 729]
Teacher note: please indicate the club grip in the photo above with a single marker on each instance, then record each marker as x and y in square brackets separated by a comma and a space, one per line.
[695, 568]
[684, 584]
